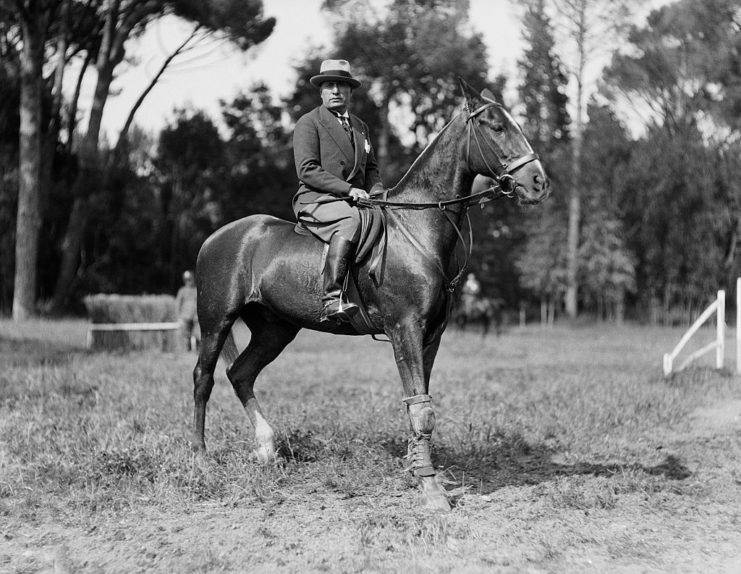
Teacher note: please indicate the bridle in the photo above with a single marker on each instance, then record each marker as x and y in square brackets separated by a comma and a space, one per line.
[504, 182]
[505, 185]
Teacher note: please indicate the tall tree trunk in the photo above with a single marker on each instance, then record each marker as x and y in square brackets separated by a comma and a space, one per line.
[29, 216]
[88, 179]
[572, 247]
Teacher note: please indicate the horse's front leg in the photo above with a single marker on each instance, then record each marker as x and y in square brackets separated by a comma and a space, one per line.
[414, 360]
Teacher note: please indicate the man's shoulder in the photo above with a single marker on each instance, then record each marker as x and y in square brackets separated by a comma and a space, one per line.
[312, 115]
[357, 121]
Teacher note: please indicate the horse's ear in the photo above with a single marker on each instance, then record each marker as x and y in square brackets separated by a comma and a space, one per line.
[468, 93]
[487, 95]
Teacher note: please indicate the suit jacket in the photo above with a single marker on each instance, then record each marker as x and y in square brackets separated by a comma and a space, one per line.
[325, 159]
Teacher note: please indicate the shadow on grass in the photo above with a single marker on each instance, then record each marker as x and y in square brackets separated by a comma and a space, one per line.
[514, 462]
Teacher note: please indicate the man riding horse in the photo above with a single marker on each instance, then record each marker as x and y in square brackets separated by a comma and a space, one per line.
[336, 166]
[259, 270]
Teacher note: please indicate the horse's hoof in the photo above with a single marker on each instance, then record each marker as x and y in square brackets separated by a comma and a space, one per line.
[434, 495]
[265, 455]
[437, 503]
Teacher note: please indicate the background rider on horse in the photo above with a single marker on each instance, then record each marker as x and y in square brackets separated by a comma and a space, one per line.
[334, 162]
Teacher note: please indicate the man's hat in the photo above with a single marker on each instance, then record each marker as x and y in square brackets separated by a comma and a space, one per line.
[334, 71]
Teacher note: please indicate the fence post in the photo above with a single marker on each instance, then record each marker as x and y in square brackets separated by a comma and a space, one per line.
[720, 330]
[738, 325]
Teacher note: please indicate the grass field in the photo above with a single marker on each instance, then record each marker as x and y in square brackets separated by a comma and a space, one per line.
[563, 450]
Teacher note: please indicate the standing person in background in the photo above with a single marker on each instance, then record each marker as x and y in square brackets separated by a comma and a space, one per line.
[470, 293]
[185, 304]
[336, 166]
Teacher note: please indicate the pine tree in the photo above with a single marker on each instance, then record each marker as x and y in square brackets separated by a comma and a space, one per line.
[542, 263]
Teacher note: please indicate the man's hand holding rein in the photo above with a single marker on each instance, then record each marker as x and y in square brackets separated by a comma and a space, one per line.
[356, 193]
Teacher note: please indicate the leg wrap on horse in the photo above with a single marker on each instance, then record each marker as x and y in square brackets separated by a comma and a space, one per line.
[422, 421]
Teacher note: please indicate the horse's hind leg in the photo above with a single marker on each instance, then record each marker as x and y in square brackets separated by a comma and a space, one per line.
[203, 378]
[270, 335]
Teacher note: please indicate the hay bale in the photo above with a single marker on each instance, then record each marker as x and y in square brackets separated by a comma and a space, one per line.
[108, 309]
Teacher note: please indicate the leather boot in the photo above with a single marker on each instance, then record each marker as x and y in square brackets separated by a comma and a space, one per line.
[339, 257]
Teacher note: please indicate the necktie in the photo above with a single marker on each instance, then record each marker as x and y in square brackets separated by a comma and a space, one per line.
[346, 126]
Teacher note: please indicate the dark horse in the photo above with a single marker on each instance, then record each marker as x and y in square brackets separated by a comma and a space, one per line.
[260, 270]
[484, 311]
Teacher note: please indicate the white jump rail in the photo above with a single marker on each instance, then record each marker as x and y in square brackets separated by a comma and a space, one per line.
[128, 327]
[718, 306]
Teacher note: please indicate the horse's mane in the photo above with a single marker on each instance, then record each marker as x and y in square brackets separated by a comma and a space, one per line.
[429, 148]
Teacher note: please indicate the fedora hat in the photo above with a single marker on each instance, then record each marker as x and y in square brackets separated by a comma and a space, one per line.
[334, 71]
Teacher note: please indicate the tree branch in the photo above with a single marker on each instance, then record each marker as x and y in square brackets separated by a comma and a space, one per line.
[129, 120]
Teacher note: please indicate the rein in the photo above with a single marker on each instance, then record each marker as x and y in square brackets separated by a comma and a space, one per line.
[481, 198]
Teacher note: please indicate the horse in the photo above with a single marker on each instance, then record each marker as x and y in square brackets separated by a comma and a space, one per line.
[479, 310]
[260, 270]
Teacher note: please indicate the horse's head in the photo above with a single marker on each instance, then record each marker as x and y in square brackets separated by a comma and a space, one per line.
[496, 147]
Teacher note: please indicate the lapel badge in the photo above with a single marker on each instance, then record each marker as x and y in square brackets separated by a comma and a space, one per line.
[367, 146]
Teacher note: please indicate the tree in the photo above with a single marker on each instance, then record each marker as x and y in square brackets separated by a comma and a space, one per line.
[680, 194]
[544, 85]
[32, 18]
[120, 21]
[588, 27]
[190, 159]
[542, 264]
[9, 130]
[546, 125]
[607, 269]
[685, 68]
[261, 176]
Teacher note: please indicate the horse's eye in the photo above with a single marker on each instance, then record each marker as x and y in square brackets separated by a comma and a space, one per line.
[497, 127]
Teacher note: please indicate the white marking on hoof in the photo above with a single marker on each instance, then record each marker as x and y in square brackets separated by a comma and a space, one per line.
[265, 440]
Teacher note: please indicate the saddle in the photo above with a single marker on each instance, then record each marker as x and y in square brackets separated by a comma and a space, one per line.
[372, 240]
[372, 243]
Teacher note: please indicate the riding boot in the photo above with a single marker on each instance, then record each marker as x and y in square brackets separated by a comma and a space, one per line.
[336, 305]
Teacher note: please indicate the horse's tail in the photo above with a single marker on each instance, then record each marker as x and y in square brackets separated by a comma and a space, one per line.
[229, 351]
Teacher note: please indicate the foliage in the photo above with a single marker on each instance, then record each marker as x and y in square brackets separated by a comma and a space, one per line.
[671, 192]
[678, 198]
[684, 63]
[259, 156]
[542, 265]
[607, 268]
[546, 123]
[543, 88]
[660, 211]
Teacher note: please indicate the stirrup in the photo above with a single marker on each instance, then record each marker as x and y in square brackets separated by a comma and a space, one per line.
[343, 313]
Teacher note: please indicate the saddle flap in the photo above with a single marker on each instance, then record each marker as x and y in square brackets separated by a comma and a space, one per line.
[372, 239]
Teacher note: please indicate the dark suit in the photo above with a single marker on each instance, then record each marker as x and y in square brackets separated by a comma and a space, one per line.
[328, 167]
